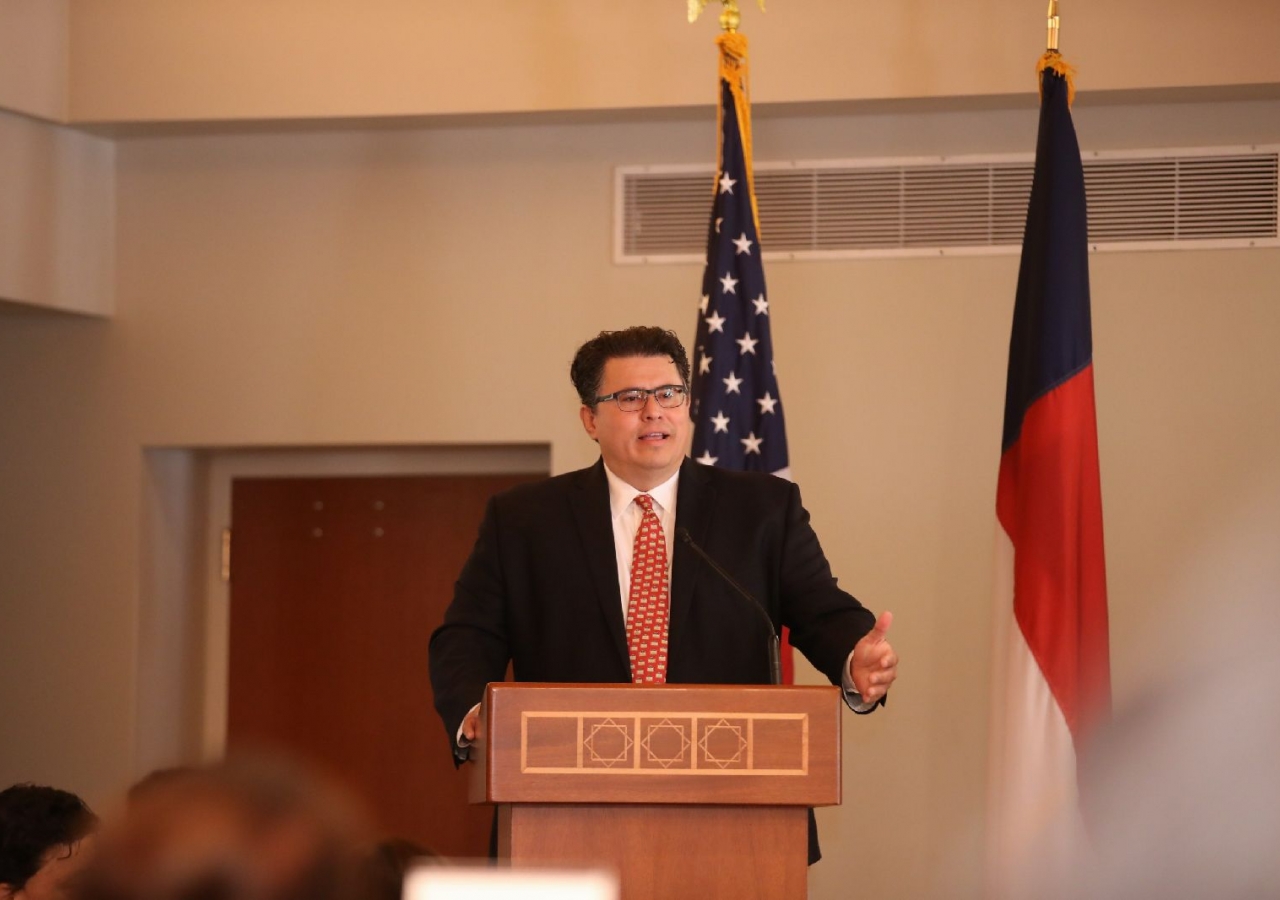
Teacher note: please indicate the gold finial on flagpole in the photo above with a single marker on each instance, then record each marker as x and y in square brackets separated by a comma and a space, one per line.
[1052, 59]
[730, 17]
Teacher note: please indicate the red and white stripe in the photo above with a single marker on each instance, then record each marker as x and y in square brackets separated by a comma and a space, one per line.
[1051, 671]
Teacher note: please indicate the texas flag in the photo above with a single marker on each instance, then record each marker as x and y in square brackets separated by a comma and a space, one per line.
[1052, 682]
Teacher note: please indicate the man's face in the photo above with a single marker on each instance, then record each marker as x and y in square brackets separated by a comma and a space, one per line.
[643, 448]
[53, 880]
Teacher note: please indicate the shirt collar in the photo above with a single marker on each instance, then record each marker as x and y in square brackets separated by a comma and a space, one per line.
[622, 495]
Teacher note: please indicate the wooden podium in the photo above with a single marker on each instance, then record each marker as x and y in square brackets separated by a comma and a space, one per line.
[688, 791]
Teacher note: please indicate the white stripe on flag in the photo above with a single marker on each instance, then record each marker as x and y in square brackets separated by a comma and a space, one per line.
[1034, 829]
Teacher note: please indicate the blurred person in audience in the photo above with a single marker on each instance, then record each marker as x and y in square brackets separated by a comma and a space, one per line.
[387, 862]
[1180, 794]
[45, 838]
[155, 780]
[241, 830]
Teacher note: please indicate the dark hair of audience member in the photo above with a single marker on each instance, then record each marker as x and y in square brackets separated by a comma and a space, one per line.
[35, 822]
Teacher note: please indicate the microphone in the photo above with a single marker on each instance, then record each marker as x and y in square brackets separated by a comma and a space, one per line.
[775, 643]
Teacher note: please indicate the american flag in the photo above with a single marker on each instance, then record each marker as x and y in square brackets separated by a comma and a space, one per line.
[737, 412]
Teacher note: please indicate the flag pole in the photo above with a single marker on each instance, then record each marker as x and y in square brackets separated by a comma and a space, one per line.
[1051, 662]
[1052, 59]
[735, 404]
[730, 16]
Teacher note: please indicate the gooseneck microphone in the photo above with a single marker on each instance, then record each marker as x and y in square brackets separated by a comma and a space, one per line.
[775, 652]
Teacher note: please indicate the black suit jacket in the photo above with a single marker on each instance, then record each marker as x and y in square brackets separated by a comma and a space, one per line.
[541, 589]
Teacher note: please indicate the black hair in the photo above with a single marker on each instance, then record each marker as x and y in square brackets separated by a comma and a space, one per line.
[587, 369]
[35, 819]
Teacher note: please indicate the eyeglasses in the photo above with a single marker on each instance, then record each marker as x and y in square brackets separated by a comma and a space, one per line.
[634, 399]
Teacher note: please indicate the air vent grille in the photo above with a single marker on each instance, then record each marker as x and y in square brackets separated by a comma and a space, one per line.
[1165, 200]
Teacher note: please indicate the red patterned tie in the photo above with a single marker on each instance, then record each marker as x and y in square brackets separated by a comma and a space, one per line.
[649, 603]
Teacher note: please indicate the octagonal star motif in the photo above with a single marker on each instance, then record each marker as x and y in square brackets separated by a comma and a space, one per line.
[608, 743]
[722, 743]
[665, 743]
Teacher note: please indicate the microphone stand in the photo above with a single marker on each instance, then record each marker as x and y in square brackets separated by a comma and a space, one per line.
[775, 643]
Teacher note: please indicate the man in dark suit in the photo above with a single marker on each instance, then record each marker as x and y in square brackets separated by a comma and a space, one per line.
[579, 578]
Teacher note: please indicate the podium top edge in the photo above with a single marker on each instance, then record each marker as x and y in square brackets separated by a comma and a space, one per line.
[672, 688]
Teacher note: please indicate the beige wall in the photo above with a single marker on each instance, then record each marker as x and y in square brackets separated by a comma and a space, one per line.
[156, 60]
[57, 217]
[424, 287]
[35, 64]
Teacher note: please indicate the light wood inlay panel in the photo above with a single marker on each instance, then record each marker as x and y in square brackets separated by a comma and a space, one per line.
[664, 743]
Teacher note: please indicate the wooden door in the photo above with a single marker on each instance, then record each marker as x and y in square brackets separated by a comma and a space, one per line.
[336, 585]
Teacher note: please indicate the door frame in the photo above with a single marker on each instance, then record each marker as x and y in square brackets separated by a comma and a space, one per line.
[183, 624]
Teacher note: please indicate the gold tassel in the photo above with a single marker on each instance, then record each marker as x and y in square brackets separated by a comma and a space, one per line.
[733, 69]
[1052, 59]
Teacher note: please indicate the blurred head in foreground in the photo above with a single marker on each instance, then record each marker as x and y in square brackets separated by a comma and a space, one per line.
[1180, 791]
[242, 830]
[44, 838]
[385, 865]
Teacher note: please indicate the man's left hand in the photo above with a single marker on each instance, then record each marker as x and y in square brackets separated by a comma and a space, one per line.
[874, 665]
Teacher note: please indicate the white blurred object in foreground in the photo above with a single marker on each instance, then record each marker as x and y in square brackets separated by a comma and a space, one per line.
[490, 883]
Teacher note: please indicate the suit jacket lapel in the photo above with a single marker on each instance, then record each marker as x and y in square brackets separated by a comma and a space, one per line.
[590, 502]
[695, 501]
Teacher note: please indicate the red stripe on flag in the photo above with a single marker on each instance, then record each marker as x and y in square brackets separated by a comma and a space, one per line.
[1049, 502]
